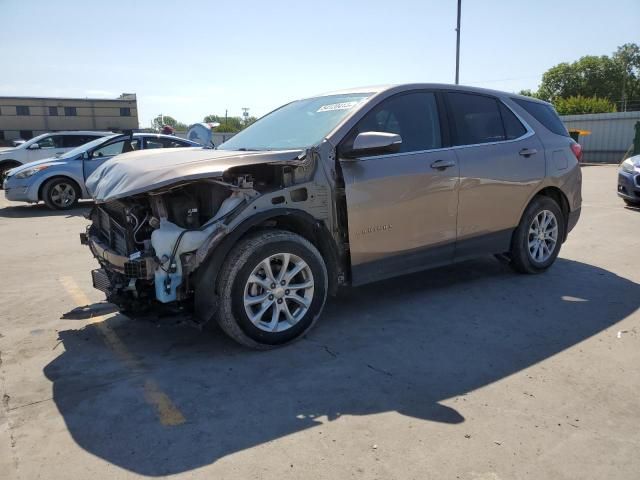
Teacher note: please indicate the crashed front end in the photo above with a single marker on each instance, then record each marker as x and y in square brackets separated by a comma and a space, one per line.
[156, 221]
[148, 245]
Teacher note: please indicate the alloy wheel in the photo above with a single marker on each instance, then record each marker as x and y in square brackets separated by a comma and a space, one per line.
[543, 236]
[279, 292]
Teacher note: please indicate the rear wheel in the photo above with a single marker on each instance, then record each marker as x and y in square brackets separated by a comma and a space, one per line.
[537, 240]
[272, 286]
[60, 193]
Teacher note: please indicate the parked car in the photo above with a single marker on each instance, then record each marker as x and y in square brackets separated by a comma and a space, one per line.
[60, 182]
[629, 181]
[339, 189]
[44, 146]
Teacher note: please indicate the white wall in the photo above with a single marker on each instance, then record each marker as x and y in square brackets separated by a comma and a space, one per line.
[611, 134]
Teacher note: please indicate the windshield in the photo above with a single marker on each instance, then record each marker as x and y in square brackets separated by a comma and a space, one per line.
[87, 146]
[34, 140]
[299, 124]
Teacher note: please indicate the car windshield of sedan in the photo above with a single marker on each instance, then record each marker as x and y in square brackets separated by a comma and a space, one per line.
[299, 124]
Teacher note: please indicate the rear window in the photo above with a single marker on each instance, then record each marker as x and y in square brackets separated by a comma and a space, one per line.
[512, 126]
[545, 114]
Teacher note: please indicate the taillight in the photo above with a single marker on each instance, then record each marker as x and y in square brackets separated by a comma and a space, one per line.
[576, 148]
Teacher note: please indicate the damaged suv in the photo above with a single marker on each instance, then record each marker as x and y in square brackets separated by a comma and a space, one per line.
[340, 189]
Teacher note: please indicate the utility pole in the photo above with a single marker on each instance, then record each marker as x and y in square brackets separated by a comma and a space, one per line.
[245, 114]
[458, 44]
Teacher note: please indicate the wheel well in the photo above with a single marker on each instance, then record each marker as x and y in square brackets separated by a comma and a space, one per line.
[48, 180]
[290, 220]
[315, 233]
[560, 198]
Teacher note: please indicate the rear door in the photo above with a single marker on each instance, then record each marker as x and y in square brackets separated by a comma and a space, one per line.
[401, 207]
[501, 162]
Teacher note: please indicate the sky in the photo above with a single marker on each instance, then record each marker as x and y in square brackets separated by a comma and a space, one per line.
[191, 59]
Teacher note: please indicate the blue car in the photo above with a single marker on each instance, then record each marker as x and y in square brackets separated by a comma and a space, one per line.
[60, 182]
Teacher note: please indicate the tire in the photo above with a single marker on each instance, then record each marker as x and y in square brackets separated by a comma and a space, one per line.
[61, 193]
[530, 253]
[284, 319]
[631, 203]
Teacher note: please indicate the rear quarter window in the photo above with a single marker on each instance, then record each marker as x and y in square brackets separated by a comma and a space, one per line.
[545, 114]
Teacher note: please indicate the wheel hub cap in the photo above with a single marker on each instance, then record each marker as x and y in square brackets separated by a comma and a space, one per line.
[543, 236]
[279, 292]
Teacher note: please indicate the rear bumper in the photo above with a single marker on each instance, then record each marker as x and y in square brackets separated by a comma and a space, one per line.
[573, 219]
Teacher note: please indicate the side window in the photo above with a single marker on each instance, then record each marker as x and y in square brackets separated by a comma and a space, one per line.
[46, 142]
[72, 141]
[413, 116]
[163, 143]
[116, 148]
[153, 143]
[513, 128]
[476, 119]
[545, 114]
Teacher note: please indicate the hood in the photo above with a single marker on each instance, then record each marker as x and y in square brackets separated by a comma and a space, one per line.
[7, 150]
[138, 172]
[27, 166]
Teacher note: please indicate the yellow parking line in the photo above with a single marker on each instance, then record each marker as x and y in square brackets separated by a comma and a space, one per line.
[167, 412]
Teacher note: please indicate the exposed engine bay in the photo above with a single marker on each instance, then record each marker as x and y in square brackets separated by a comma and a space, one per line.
[150, 244]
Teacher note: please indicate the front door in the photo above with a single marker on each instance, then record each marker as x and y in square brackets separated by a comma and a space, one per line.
[49, 147]
[401, 207]
[107, 151]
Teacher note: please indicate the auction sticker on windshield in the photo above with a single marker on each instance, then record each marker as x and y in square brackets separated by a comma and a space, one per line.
[337, 106]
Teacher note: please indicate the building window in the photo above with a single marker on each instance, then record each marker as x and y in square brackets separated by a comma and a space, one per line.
[26, 134]
[70, 111]
[53, 111]
[22, 110]
[125, 112]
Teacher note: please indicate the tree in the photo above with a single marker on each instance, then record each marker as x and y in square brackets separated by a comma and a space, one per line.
[615, 78]
[227, 125]
[590, 76]
[162, 120]
[579, 105]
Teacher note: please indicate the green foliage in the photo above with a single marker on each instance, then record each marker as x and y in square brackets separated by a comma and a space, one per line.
[615, 77]
[229, 124]
[162, 120]
[528, 93]
[579, 104]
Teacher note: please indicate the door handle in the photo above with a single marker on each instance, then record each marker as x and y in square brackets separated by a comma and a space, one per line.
[442, 164]
[527, 152]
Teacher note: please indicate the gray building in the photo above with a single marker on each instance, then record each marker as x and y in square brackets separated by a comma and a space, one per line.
[26, 117]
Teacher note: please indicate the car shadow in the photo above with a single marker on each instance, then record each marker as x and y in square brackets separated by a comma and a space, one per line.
[41, 210]
[405, 345]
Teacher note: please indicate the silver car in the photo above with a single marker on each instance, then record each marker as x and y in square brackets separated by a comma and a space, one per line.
[338, 189]
[60, 181]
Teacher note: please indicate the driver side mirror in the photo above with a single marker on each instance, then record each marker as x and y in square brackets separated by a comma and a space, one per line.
[373, 143]
[34, 146]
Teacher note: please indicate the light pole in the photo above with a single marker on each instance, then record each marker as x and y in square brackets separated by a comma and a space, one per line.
[458, 44]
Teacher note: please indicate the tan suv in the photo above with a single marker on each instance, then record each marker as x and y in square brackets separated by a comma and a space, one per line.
[339, 189]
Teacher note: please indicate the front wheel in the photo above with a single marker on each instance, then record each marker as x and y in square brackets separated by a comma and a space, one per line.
[272, 286]
[60, 193]
[536, 242]
[632, 203]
